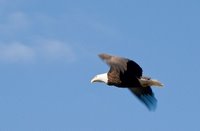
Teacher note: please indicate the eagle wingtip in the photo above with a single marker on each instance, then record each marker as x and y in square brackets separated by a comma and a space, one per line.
[104, 56]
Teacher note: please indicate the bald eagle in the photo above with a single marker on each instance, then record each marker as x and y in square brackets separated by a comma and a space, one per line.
[126, 73]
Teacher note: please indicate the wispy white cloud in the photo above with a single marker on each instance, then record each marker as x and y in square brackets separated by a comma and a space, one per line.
[13, 26]
[16, 52]
[103, 28]
[14, 22]
[23, 26]
[19, 19]
[49, 50]
[54, 50]
[93, 23]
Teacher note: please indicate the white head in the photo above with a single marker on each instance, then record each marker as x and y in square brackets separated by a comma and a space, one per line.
[100, 78]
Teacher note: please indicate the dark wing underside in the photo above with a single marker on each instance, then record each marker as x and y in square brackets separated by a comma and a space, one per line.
[146, 96]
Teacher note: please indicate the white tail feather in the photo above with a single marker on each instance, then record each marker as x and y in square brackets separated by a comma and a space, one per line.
[150, 82]
[154, 82]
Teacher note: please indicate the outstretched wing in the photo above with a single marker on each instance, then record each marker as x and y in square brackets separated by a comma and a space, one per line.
[122, 64]
[146, 96]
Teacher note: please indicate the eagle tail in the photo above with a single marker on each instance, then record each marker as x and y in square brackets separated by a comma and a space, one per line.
[147, 81]
[154, 82]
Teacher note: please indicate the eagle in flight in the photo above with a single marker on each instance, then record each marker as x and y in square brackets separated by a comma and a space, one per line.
[125, 73]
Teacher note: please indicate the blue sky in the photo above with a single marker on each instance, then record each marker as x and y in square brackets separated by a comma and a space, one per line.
[48, 54]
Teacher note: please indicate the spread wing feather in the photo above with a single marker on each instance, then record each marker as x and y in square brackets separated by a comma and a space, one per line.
[122, 64]
[146, 96]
